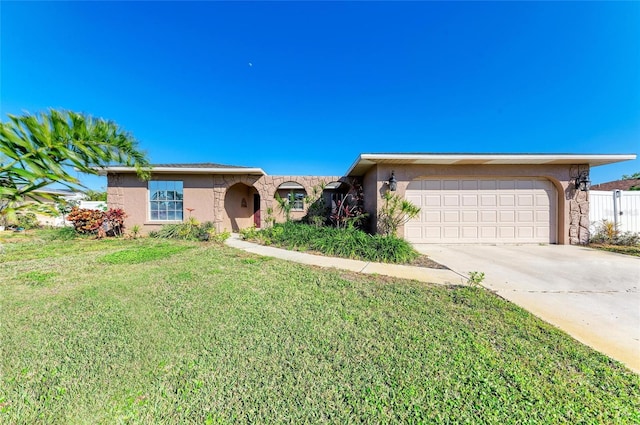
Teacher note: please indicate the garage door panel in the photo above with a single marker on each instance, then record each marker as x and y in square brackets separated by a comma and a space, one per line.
[507, 200]
[469, 232]
[489, 216]
[507, 216]
[469, 217]
[525, 200]
[431, 217]
[482, 210]
[488, 200]
[451, 232]
[469, 200]
[525, 232]
[432, 201]
[414, 199]
[488, 233]
[543, 217]
[433, 233]
[506, 232]
[451, 200]
[450, 216]
[543, 200]
[525, 216]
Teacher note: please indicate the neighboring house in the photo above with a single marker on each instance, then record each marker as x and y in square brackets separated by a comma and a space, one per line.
[51, 219]
[627, 184]
[464, 198]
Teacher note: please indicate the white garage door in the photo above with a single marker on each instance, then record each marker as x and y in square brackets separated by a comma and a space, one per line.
[482, 211]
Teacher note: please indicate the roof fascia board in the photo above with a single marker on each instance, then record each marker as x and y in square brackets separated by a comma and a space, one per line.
[366, 161]
[184, 170]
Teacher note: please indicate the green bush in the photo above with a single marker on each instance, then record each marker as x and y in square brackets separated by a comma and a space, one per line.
[28, 221]
[347, 242]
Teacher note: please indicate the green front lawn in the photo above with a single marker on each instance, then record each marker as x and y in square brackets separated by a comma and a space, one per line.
[156, 331]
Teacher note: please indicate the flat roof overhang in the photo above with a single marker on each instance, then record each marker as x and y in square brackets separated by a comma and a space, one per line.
[103, 171]
[367, 160]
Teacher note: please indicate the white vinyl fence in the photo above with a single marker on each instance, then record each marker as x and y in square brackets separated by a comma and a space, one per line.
[93, 205]
[619, 206]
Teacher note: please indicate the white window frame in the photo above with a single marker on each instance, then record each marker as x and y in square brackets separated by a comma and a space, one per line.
[297, 201]
[169, 200]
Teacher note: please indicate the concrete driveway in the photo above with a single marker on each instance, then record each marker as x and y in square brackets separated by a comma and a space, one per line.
[592, 295]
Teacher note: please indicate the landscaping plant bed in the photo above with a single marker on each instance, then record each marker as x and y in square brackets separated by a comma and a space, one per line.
[339, 242]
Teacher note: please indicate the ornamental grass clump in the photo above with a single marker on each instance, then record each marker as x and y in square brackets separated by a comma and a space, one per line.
[346, 242]
[190, 230]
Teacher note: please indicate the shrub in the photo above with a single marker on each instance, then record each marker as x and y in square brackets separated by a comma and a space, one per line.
[114, 217]
[607, 232]
[349, 211]
[88, 221]
[85, 220]
[395, 212]
[27, 221]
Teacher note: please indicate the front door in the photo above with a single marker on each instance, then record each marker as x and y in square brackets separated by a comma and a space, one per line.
[256, 210]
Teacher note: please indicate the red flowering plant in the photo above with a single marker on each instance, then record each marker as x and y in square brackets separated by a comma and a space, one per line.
[348, 210]
[114, 217]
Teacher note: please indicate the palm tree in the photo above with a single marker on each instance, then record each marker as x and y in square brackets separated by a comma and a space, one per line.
[38, 150]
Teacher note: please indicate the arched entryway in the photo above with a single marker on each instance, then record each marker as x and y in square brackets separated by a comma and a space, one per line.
[242, 207]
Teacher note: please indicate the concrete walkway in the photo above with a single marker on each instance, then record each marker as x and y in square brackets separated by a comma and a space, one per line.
[421, 274]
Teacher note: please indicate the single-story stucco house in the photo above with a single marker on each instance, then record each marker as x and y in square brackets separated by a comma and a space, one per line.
[464, 198]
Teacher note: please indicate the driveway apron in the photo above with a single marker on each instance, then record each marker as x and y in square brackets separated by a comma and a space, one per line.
[592, 295]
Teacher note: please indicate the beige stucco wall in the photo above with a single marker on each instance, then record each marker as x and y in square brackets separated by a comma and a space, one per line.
[370, 186]
[568, 228]
[216, 198]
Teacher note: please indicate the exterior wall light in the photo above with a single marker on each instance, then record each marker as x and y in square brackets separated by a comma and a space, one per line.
[393, 183]
[582, 182]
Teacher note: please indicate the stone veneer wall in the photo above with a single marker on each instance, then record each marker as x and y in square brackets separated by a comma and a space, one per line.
[266, 186]
[578, 210]
[115, 191]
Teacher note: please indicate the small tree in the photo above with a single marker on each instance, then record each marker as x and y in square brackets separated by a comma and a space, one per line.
[285, 205]
[348, 210]
[631, 177]
[395, 212]
[96, 195]
[317, 210]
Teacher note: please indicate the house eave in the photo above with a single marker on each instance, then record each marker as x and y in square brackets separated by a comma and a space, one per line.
[184, 170]
[365, 161]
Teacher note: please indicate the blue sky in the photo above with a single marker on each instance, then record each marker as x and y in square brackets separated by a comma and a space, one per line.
[304, 87]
